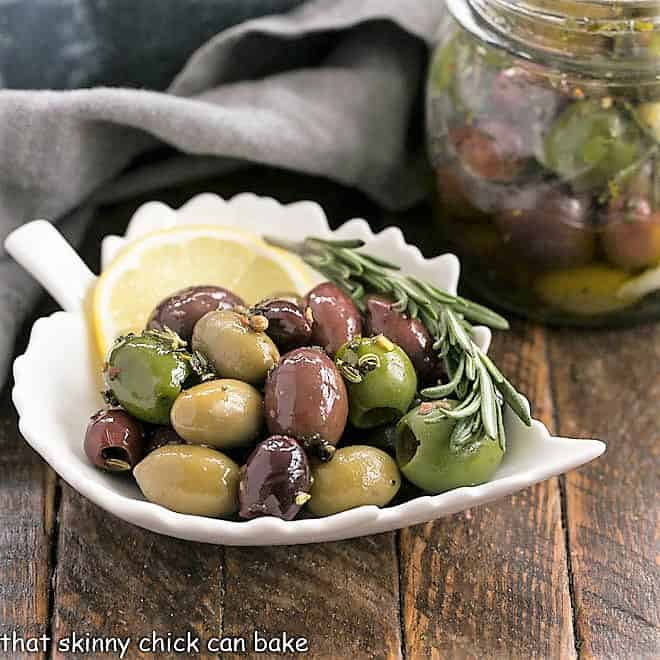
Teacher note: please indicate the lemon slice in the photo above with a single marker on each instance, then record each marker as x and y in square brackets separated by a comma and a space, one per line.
[162, 262]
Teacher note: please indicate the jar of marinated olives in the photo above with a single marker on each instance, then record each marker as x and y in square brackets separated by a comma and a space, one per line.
[543, 130]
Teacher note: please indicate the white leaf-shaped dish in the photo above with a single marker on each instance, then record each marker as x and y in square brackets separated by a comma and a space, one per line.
[56, 385]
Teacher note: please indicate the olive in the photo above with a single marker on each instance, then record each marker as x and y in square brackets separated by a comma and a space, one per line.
[631, 237]
[585, 290]
[275, 480]
[114, 440]
[426, 459]
[233, 347]
[335, 317]
[161, 436]
[649, 113]
[288, 326]
[190, 479]
[357, 475]
[547, 227]
[410, 334]
[305, 396]
[145, 374]
[180, 311]
[381, 380]
[493, 150]
[588, 144]
[223, 413]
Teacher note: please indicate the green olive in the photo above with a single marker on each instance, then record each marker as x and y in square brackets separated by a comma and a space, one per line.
[145, 375]
[381, 380]
[584, 290]
[649, 114]
[357, 475]
[222, 413]
[233, 347]
[588, 144]
[426, 459]
[190, 479]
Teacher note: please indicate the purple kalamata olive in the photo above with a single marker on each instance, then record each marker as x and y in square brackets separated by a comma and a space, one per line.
[161, 436]
[184, 308]
[114, 441]
[411, 335]
[275, 480]
[631, 237]
[547, 227]
[288, 325]
[493, 150]
[335, 317]
[305, 397]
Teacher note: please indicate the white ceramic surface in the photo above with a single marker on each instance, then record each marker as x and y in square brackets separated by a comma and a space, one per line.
[56, 388]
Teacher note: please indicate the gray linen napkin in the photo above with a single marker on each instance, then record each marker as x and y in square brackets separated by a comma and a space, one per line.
[326, 89]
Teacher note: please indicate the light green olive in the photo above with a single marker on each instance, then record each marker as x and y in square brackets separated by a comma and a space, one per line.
[357, 475]
[233, 347]
[427, 460]
[221, 413]
[189, 479]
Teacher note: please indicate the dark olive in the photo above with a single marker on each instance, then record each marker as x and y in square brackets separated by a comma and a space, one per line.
[184, 308]
[288, 325]
[305, 396]
[409, 334]
[631, 237]
[161, 436]
[114, 440]
[547, 227]
[275, 480]
[335, 317]
[493, 150]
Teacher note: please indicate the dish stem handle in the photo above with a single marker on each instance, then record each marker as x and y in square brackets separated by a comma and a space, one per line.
[42, 250]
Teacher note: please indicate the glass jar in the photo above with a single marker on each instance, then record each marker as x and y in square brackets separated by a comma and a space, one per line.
[543, 127]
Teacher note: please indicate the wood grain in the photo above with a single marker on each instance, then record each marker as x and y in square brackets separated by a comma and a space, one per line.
[26, 524]
[115, 579]
[342, 597]
[493, 581]
[609, 388]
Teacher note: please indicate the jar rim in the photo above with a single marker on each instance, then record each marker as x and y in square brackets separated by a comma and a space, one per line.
[603, 38]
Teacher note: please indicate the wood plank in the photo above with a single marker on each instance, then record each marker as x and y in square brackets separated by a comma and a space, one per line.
[493, 581]
[26, 524]
[610, 389]
[116, 580]
[342, 597]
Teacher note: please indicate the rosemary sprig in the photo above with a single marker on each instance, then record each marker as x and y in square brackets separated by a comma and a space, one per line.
[473, 379]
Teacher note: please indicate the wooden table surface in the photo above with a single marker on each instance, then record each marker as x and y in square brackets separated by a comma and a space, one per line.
[565, 569]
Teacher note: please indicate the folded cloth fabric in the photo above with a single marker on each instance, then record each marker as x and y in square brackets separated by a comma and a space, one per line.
[325, 89]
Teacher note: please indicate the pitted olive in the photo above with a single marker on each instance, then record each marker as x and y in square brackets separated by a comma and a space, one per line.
[357, 475]
[381, 380]
[114, 440]
[233, 347]
[275, 480]
[223, 413]
[180, 311]
[335, 317]
[190, 479]
[426, 459]
[305, 396]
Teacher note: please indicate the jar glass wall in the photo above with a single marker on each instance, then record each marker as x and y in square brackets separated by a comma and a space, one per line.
[543, 126]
